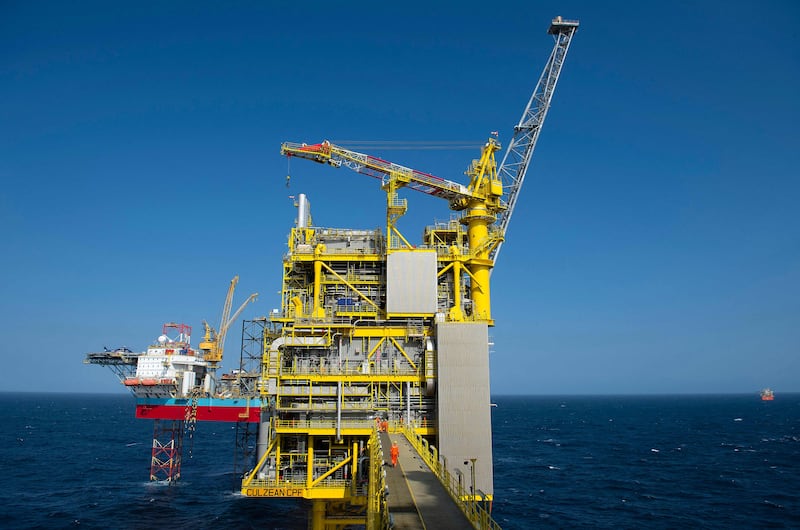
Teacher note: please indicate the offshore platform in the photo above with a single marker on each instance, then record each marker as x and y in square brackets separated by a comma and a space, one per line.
[376, 338]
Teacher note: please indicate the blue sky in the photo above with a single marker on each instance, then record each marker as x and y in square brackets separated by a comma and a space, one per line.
[655, 247]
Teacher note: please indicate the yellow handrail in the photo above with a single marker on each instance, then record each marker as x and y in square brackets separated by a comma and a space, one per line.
[479, 516]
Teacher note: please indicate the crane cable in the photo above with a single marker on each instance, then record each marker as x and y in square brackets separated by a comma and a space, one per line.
[408, 145]
[397, 145]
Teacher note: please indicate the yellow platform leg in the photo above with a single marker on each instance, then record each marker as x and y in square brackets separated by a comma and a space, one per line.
[318, 311]
[480, 265]
[318, 515]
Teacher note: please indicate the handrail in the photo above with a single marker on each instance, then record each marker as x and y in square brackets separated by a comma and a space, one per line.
[322, 424]
[377, 513]
[479, 516]
[328, 482]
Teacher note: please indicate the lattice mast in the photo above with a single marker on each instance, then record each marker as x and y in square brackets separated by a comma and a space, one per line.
[520, 149]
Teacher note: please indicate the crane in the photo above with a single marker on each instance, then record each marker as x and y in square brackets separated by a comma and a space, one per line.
[485, 212]
[480, 200]
[213, 344]
[336, 156]
[520, 149]
[484, 185]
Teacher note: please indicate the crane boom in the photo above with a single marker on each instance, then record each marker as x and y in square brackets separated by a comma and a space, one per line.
[520, 149]
[223, 332]
[213, 343]
[226, 308]
[486, 215]
[328, 153]
[511, 171]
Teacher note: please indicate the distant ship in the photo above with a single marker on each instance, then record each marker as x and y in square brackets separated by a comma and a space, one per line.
[767, 395]
[173, 381]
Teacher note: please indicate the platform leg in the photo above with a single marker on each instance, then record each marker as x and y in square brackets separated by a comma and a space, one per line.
[318, 515]
[165, 461]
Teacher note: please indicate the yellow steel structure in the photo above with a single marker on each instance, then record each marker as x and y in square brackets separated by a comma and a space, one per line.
[354, 346]
[345, 362]
[213, 345]
[480, 201]
[340, 367]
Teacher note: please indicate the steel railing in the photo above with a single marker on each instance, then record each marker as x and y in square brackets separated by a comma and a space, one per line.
[478, 515]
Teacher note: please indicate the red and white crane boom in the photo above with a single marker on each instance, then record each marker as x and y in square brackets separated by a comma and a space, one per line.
[336, 156]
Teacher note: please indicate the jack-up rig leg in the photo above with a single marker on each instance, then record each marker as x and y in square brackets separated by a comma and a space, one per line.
[165, 463]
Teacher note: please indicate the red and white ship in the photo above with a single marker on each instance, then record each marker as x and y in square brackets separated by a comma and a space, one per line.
[170, 368]
[172, 377]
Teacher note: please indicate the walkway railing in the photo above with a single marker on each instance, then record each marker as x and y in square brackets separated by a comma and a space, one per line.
[478, 515]
[377, 513]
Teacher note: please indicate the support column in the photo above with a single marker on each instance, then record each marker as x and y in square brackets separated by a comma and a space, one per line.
[480, 265]
[165, 460]
[318, 311]
[310, 463]
[243, 453]
[262, 442]
[318, 515]
[456, 313]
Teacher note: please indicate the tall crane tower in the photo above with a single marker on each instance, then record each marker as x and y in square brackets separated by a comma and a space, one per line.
[372, 328]
[520, 150]
[213, 345]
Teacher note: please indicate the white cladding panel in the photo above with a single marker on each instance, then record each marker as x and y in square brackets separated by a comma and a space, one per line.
[465, 420]
[411, 282]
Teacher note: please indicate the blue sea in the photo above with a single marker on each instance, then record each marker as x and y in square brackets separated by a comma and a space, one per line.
[74, 460]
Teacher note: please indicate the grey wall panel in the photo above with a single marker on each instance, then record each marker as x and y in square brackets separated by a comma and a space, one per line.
[411, 282]
[464, 408]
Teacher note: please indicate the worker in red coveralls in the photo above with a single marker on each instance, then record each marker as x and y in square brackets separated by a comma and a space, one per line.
[395, 454]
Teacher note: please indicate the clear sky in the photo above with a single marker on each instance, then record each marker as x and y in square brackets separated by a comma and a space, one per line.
[655, 247]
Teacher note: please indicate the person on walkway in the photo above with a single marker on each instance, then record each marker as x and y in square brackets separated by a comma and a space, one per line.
[395, 454]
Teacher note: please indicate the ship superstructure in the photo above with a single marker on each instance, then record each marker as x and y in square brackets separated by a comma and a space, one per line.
[170, 368]
[172, 377]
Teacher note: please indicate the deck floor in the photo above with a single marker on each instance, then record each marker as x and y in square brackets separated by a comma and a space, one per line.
[417, 500]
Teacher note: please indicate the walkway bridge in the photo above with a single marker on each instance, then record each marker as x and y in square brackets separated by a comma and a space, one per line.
[423, 494]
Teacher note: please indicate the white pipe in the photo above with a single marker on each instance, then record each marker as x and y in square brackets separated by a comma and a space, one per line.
[408, 402]
[339, 412]
[303, 211]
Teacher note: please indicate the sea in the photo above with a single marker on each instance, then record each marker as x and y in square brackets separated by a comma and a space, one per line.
[727, 461]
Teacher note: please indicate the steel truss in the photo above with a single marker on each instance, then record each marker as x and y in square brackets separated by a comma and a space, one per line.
[165, 463]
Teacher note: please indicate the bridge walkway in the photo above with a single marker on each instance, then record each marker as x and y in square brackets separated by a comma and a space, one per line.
[417, 500]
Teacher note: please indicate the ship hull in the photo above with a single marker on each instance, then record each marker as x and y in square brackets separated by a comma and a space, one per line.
[208, 409]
